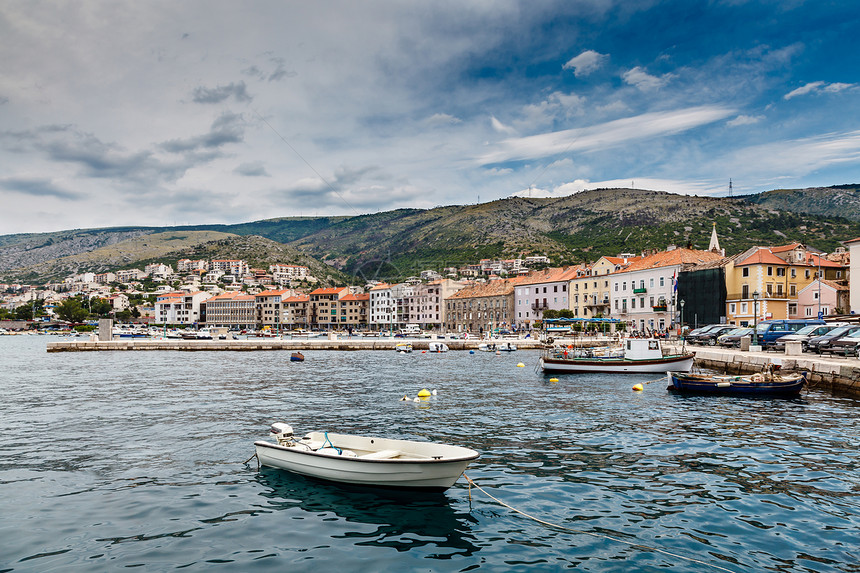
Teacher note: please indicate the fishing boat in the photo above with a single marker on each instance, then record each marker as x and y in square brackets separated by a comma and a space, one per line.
[636, 355]
[297, 357]
[766, 383]
[437, 347]
[378, 462]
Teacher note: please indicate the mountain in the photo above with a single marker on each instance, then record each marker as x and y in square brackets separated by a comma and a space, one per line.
[403, 242]
[836, 201]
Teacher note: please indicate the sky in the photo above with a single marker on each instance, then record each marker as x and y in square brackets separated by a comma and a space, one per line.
[163, 113]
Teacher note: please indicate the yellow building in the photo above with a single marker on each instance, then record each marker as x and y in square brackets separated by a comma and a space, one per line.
[589, 292]
[765, 281]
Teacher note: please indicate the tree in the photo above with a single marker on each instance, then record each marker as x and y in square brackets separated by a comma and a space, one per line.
[100, 307]
[71, 310]
[26, 312]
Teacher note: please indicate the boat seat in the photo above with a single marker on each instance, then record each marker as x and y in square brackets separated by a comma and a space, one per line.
[381, 455]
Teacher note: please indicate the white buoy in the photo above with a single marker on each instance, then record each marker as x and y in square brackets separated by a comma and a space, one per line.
[434, 392]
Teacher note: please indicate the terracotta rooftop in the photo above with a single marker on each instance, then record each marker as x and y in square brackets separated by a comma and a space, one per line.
[760, 256]
[494, 288]
[673, 257]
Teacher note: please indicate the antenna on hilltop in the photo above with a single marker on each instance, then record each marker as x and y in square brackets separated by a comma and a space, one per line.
[730, 187]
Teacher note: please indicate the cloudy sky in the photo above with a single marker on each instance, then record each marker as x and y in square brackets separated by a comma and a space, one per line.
[162, 113]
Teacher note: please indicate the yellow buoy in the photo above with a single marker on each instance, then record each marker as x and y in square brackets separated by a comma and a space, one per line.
[521, 365]
[553, 379]
[425, 393]
[638, 388]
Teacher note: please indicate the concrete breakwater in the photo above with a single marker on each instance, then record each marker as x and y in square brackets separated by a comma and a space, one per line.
[270, 344]
[835, 374]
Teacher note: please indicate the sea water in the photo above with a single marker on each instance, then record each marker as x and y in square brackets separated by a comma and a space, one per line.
[114, 460]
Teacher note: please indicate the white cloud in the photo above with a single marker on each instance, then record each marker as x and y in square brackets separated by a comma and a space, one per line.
[818, 87]
[693, 187]
[641, 79]
[501, 127]
[744, 120]
[604, 135]
[586, 63]
[442, 119]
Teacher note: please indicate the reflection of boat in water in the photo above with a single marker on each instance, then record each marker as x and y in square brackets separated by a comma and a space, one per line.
[425, 520]
[637, 355]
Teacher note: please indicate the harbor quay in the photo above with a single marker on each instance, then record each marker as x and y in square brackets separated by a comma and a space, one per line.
[253, 344]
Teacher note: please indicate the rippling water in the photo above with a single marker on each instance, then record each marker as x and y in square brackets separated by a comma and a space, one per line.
[126, 459]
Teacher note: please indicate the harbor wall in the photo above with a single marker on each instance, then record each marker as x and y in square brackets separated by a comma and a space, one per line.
[268, 344]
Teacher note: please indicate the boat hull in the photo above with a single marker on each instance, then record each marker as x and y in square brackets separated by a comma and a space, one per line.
[735, 385]
[424, 466]
[682, 363]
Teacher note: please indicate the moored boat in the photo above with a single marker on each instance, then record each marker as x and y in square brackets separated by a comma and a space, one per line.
[763, 384]
[437, 347]
[378, 462]
[297, 357]
[403, 347]
[636, 355]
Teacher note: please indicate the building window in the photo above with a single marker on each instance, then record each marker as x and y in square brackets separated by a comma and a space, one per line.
[661, 281]
[770, 271]
[744, 308]
[651, 282]
[793, 273]
[732, 308]
[745, 272]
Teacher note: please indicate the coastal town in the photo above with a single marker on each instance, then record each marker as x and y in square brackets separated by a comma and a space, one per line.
[648, 292]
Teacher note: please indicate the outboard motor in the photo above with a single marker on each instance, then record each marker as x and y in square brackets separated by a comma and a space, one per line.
[283, 433]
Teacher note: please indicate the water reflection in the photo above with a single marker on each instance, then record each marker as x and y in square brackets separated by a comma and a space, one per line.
[424, 518]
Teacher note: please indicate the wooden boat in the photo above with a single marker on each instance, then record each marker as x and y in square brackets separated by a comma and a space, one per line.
[297, 357]
[762, 384]
[378, 462]
[636, 355]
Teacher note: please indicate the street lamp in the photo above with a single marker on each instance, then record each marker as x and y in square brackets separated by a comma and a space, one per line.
[682, 302]
[755, 296]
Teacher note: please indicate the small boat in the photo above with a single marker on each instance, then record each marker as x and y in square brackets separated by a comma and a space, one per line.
[437, 347]
[637, 355]
[505, 347]
[297, 357]
[766, 383]
[403, 347]
[487, 347]
[378, 462]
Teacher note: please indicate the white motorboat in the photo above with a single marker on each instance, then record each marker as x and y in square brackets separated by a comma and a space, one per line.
[637, 355]
[403, 347]
[378, 462]
[437, 347]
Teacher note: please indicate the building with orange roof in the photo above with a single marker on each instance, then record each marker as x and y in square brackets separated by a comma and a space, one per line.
[822, 297]
[270, 309]
[230, 310]
[353, 311]
[547, 289]
[296, 311]
[323, 307]
[643, 293]
[590, 291]
[481, 308]
[766, 281]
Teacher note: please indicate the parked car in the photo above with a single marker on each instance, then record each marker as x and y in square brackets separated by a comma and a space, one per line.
[710, 337]
[804, 334]
[822, 342]
[694, 335]
[848, 344]
[768, 331]
[732, 338]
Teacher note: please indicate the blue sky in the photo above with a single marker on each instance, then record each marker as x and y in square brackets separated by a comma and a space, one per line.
[162, 113]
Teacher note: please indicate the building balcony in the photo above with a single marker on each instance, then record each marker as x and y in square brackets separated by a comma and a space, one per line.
[642, 290]
[539, 306]
[600, 303]
[659, 308]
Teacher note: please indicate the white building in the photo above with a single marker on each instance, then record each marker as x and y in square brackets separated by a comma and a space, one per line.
[179, 307]
[854, 285]
[283, 274]
[233, 267]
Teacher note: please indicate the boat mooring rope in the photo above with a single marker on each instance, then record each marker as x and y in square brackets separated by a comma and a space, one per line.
[598, 535]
